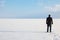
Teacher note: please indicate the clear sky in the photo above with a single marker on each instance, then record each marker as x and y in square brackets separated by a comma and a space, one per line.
[29, 8]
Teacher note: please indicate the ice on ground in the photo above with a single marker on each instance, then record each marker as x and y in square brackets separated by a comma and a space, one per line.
[15, 29]
[28, 36]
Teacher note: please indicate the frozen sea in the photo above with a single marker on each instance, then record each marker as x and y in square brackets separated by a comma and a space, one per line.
[28, 29]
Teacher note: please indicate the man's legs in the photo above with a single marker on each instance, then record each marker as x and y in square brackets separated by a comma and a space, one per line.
[47, 28]
[50, 28]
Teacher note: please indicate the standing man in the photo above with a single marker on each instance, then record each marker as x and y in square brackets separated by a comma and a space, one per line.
[49, 22]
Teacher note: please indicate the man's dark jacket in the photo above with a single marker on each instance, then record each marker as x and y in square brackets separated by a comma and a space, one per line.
[49, 21]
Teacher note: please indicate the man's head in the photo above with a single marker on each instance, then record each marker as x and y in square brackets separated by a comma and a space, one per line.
[49, 15]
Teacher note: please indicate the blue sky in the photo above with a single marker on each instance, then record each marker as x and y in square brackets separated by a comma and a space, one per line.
[29, 8]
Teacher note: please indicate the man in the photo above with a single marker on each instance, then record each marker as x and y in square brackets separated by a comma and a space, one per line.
[49, 22]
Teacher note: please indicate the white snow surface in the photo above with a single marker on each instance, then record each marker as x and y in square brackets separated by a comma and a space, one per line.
[28, 29]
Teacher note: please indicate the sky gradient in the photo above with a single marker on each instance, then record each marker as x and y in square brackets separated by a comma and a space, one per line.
[29, 8]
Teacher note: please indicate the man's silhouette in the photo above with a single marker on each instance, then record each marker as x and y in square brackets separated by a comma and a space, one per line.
[49, 22]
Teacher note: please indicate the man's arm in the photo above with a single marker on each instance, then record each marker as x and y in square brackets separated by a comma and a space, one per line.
[46, 20]
[52, 21]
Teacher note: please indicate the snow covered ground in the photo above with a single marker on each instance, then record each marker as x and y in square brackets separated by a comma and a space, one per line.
[28, 29]
[26, 36]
